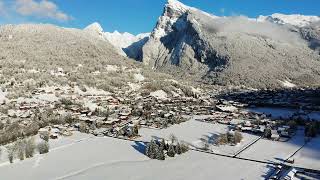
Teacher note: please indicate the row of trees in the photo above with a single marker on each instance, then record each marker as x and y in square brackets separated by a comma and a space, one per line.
[159, 149]
[25, 148]
[230, 138]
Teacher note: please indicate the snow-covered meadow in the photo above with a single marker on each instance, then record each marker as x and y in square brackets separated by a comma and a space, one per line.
[193, 131]
[108, 158]
[274, 151]
[309, 155]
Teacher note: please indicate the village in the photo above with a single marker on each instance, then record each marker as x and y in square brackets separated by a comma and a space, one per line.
[62, 111]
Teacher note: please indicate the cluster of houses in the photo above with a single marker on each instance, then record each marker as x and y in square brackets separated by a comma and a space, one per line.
[159, 113]
[305, 99]
[232, 114]
[104, 113]
[121, 113]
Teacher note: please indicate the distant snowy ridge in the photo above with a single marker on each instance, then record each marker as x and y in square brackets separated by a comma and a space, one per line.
[119, 40]
[124, 40]
[293, 19]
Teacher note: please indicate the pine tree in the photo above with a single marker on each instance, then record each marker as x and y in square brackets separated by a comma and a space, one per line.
[178, 149]
[162, 145]
[171, 152]
[148, 150]
[160, 154]
[155, 149]
[152, 149]
[267, 133]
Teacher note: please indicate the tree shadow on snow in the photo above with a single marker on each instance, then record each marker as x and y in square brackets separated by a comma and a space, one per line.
[140, 147]
[269, 173]
[210, 138]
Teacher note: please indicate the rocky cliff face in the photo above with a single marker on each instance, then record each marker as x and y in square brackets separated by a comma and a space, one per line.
[221, 50]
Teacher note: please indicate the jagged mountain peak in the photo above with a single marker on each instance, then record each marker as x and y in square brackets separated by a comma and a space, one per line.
[173, 11]
[177, 5]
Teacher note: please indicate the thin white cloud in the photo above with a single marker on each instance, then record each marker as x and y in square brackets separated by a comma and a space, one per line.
[42, 9]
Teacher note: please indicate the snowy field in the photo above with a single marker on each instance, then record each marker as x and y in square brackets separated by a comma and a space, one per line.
[55, 144]
[192, 131]
[275, 151]
[284, 113]
[108, 158]
[309, 155]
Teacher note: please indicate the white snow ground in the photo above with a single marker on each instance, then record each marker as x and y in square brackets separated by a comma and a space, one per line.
[108, 158]
[192, 131]
[276, 151]
[309, 155]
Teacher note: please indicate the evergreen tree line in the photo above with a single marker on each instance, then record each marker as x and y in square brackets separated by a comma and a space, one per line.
[159, 149]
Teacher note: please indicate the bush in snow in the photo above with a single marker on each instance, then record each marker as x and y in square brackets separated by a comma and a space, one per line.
[20, 148]
[30, 147]
[11, 151]
[184, 147]
[237, 137]
[43, 147]
[83, 127]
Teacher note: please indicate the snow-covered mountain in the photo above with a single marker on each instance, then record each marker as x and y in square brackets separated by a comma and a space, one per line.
[123, 42]
[293, 19]
[229, 50]
[126, 43]
[172, 16]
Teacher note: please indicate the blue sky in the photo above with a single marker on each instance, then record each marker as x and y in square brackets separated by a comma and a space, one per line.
[136, 16]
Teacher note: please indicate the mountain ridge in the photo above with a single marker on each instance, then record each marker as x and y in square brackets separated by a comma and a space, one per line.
[229, 50]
